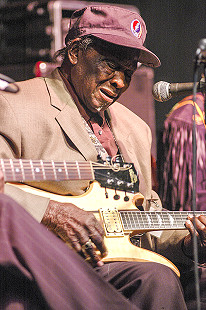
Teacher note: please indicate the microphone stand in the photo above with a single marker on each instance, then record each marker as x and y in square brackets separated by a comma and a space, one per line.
[194, 172]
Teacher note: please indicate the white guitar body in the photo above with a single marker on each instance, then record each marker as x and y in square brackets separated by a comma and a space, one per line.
[117, 241]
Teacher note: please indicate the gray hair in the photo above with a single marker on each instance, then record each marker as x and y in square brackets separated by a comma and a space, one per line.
[83, 43]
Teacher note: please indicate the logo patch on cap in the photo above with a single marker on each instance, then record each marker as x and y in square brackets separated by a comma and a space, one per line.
[136, 28]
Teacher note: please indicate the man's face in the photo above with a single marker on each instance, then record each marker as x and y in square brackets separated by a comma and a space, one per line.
[102, 74]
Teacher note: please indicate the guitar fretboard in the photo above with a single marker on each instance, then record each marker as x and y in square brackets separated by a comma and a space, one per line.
[21, 170]
[153, 220]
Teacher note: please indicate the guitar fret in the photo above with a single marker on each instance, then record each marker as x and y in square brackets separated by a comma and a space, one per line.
[26, 170]
[73, 171]
[22, 170]
[12, 168]
[84, 172]
[43, 170]
[17, 169]
[38, 170]
[78, 170]
[60, 171]
[54, 170]
[32, 170]
[66, 172]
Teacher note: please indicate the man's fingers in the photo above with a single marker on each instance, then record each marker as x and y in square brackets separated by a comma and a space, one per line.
[96, 234]
[89, 240]
[198, 223]
[98, 240]
[90, 254]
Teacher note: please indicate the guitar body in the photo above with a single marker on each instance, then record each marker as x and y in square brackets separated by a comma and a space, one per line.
[117, 241]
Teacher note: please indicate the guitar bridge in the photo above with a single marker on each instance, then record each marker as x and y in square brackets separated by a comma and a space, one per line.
[112, 222]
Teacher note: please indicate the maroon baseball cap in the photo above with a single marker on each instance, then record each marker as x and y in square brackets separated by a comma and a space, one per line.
[113, 24]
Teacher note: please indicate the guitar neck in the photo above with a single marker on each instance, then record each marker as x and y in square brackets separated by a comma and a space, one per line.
[22, 170]
[118, 176]
[153, 220]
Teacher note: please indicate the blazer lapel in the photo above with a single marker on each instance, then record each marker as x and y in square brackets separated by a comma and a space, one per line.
[68, 116]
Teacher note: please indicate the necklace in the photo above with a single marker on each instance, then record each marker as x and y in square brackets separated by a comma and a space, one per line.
[121, 159]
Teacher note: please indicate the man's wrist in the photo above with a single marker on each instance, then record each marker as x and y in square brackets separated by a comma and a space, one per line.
[49, 213]
[185, 246]
[187, 249]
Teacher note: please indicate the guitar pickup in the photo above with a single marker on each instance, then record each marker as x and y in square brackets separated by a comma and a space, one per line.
[111, 222]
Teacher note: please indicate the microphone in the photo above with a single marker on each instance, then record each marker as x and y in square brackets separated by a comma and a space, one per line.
[163, 91]
[6, 86]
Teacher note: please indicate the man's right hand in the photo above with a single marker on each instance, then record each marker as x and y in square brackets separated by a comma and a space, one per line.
[77, 227]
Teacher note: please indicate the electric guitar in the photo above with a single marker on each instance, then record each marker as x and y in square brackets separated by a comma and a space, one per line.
[113, 197]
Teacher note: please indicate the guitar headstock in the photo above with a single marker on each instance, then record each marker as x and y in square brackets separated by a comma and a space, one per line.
[117, 175]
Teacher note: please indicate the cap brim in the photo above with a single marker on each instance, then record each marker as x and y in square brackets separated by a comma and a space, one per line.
[146, 57]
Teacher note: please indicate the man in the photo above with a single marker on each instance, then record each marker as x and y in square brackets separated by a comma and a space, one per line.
[60, 118]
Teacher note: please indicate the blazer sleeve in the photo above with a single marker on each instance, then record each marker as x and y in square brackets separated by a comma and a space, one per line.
[10, 147]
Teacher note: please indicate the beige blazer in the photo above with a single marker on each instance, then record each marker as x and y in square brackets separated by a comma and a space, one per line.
[41, 121]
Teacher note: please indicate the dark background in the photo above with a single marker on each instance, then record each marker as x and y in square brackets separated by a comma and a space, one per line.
[174, 30]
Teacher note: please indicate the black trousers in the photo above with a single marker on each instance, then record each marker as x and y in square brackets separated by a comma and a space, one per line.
[188, 283]
[38, 271]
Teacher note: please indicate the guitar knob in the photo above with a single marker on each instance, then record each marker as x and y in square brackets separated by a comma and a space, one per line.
[126, 198]
[116, 197]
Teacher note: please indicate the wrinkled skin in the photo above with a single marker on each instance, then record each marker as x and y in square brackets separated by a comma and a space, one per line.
[76, 227]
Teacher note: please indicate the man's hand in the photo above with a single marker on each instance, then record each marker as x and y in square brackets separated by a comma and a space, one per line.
[200, 222]
[77, 227]
[1, 182]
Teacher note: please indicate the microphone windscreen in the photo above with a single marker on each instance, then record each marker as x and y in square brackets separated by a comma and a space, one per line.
[161, 91]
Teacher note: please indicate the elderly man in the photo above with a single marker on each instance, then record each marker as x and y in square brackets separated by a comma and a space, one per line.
[72, 115]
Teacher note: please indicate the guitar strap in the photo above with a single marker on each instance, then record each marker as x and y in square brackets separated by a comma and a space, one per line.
[100, 149]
